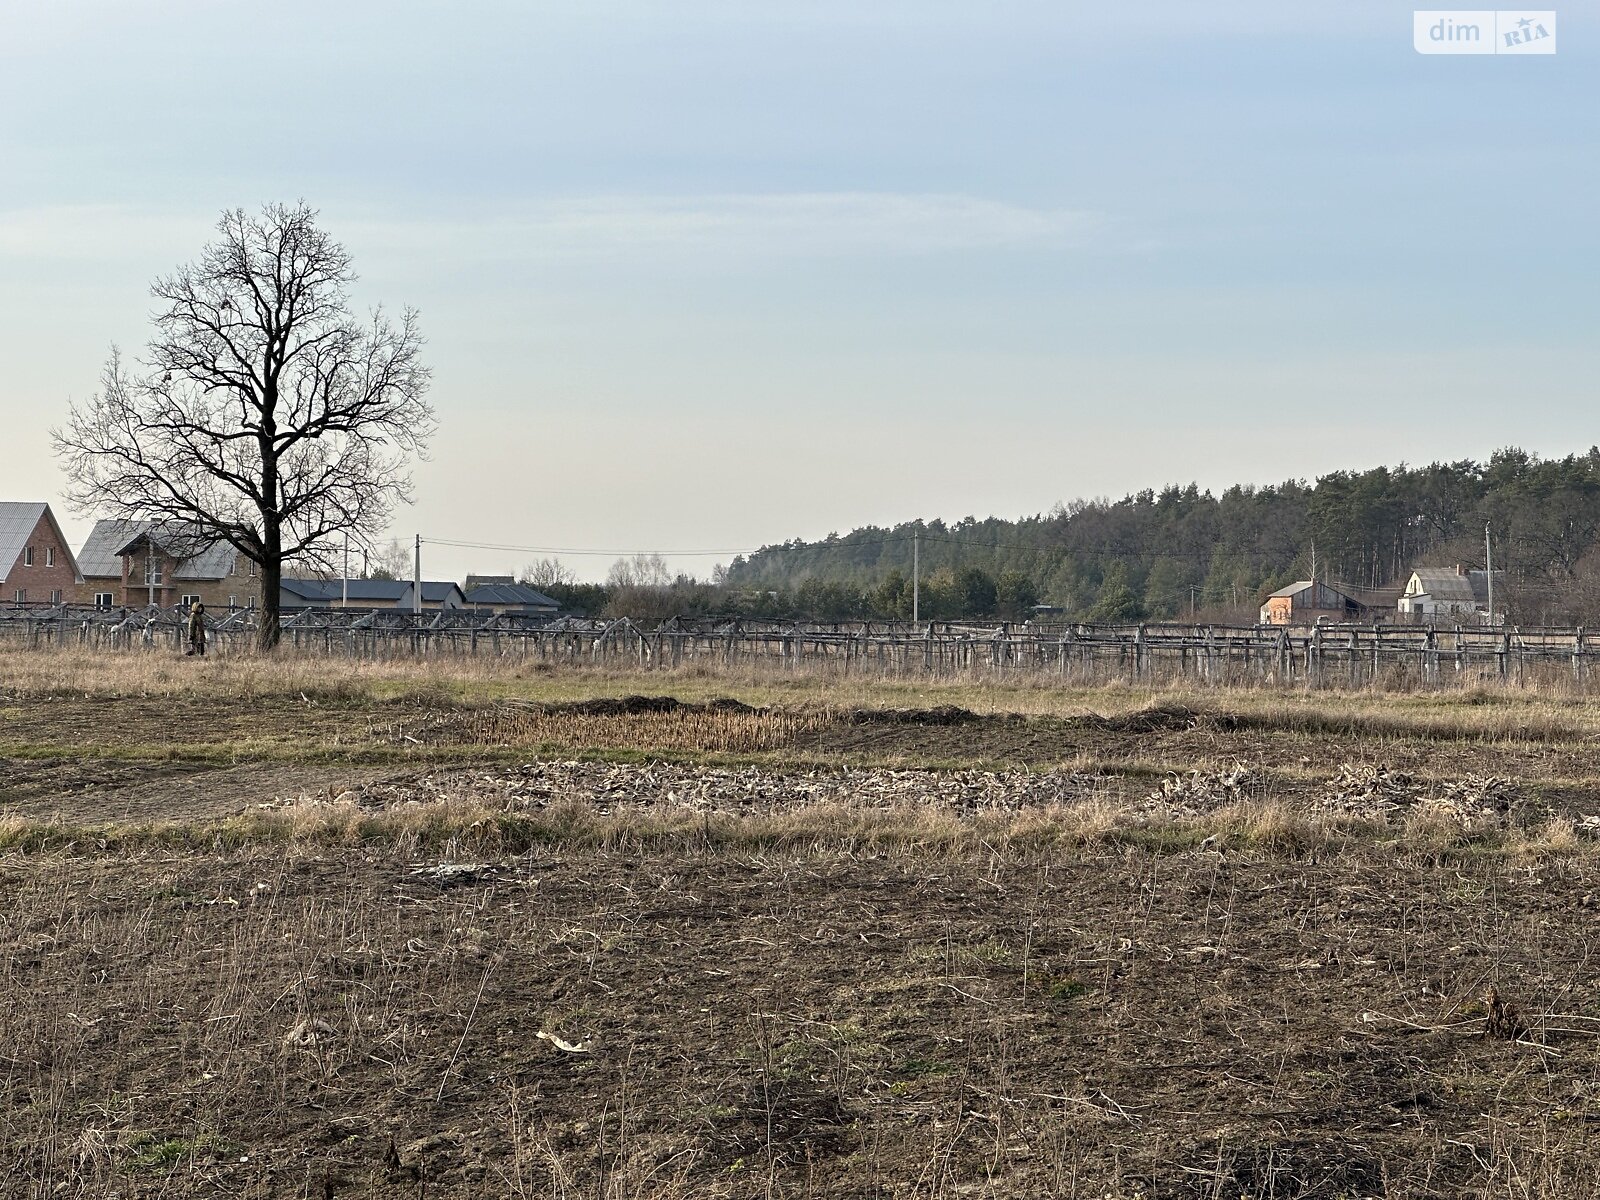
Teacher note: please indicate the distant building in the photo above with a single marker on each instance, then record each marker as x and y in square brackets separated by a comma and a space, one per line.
[36, 564]
[135, 563]
[1377, 604]
[436, 596]
[1452, 593]
[331, 593]
[477, 581]
[1307, 602]
[515, 599]
[367, 594]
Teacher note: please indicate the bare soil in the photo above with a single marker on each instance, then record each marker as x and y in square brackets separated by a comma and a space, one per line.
[1106, 1019]
[270, 1023]
[89, 759]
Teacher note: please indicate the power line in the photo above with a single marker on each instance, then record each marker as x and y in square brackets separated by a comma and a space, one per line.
[995, 545]
[433, 541]
[663, 553]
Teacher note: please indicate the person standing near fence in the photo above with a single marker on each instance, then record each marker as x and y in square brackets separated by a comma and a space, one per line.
[197, 629]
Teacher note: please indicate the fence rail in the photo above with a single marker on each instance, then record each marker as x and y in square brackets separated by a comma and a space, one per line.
[1328, 655]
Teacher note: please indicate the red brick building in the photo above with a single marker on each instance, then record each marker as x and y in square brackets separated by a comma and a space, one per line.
[36, 564]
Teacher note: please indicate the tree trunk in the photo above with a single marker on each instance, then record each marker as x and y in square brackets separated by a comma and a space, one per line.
[268, 631]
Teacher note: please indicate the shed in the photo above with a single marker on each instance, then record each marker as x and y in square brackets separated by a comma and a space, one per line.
[1306, 602]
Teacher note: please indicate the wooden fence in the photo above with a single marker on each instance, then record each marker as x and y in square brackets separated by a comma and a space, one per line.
[1323, 656]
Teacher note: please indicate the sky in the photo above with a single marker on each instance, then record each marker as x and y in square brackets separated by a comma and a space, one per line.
[698, 277]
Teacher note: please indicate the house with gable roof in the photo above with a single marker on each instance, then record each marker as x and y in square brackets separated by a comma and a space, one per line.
[1451, 593]
[37, 565]
[137, 563]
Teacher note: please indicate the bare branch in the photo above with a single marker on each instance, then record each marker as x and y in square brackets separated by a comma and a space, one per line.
[264, 413]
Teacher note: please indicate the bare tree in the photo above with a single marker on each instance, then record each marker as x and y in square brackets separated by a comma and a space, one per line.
[642, 586]
[639, 571]
[392, 560]
[264, 414]
[547, 573]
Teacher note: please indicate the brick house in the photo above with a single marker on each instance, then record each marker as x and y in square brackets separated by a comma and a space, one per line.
[136, 563]
[36, 564]
[1306, 603]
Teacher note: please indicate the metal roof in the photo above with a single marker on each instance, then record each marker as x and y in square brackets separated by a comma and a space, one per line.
[477, 581]
[1294, 589]
[435, 592]
[99, 558]
[1453, 586]
[199, 557]
[328, 592]
[18, 520]
[1444, 583]
[512, 594]
[331, 591]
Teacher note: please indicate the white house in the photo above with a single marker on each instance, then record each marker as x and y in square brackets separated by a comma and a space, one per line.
[1450, 592]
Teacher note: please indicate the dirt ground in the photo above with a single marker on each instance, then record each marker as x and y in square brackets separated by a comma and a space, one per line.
[89, 759]
[290, 1023]
[653, 1018]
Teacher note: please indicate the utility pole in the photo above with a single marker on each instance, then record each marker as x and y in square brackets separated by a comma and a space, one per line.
[1313, 560]
[344, 582]
[916, 578]
[1488, 564]
[416, 582]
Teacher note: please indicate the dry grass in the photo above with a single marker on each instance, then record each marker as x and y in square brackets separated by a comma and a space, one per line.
[469, 829]
[712, 730]
[1476, 712]
[810, 982]
[928, 1018]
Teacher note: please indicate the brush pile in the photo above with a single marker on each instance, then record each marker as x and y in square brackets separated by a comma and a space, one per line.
[611, 787]
[1203, 790]
[1476, 801]
[1366, 790]
[1360, 790]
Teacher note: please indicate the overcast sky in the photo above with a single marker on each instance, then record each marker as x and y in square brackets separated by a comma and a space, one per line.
[703, 276]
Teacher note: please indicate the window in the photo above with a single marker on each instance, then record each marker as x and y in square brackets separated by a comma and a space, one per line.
[103, 599]
[27, 556]
[233, 602]
[153, 571]
[49, 556]
[252, 567]
[189, 601]
[55, 596]
[22, 595]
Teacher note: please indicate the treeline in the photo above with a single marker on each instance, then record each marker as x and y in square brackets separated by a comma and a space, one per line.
[1167, 554]
[945, 595]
